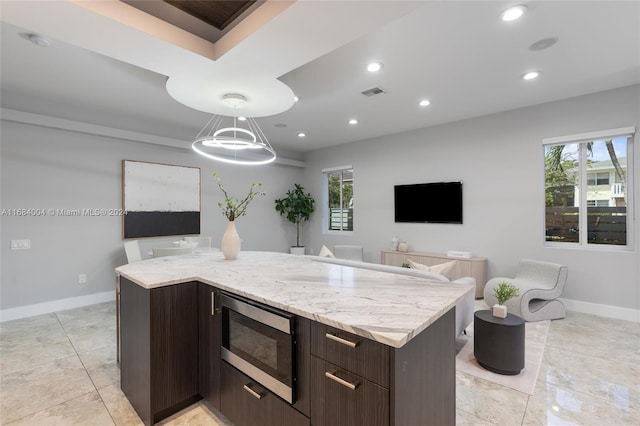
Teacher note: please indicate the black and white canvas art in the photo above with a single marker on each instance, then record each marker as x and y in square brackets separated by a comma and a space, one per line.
[160, 199]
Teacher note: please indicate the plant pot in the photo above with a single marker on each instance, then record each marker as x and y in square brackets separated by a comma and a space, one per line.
[499, 311]
[230, 244]
[296, 250]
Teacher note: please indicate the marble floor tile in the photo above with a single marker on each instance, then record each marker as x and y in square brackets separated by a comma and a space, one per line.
[196, 415]
[33, 326]
[466, 419]
[85, 410]
[615, 340]
[102, 366]
[582, 373]
[102, 313]
[27, 350]
[31, 390]
[480, 398]
[92, 337]
[119, 407]
[553, 405]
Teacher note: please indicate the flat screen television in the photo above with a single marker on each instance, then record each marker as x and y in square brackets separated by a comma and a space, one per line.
[437, 202]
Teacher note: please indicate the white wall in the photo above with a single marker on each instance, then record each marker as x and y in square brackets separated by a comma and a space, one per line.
[46, 168]
[499, 159]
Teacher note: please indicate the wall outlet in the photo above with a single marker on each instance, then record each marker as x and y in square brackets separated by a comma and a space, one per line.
[20, 244]
[82, 279]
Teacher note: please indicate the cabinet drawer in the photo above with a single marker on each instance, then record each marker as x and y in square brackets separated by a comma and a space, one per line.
[341, 398]
[246, 403]
[353, 353]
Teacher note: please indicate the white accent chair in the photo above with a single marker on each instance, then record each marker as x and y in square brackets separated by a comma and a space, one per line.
[171, 251]
[132, 250]
[464, 308]
[539, 284]
[348, 252]
[202, 241]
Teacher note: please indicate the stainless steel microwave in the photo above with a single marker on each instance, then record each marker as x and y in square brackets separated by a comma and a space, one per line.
[260, 341]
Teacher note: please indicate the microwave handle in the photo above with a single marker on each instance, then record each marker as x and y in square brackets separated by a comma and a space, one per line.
[214, 309]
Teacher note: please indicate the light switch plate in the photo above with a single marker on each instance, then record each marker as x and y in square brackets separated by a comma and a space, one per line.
[20, 244]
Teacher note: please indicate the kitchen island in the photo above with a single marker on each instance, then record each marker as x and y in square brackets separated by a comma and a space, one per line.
[402, 361]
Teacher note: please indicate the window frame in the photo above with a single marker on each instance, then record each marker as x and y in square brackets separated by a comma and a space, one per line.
[581, 139]
[326, 216]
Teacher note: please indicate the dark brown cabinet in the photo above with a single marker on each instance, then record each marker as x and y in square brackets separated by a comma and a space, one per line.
[356, 381]
[341, 398]
[349, 379]
[159, 352]
[209, 343]
[246, 403]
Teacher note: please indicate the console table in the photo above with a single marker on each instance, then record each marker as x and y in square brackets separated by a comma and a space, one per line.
[475, 267]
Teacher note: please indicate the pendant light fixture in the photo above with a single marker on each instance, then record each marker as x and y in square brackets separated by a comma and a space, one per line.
[235, 140]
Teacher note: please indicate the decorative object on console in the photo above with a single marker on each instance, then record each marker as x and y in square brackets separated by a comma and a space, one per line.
[394, 243]
[159, 199]
[540, 284]
[233, 208]
[296, 207]
[403, 247]
[459, 254]
[503, 292]
[445, 269]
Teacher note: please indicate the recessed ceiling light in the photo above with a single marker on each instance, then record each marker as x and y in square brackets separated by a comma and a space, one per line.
[531, 75]
[296, 99]
[301, 135]
[353, 121]
[424, 102]
[374, 66]
[513, 13]
[242, 118]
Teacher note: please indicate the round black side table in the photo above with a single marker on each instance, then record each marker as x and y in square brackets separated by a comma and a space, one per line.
[498, 343]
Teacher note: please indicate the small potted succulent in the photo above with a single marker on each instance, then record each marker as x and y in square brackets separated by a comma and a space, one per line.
[503, 292]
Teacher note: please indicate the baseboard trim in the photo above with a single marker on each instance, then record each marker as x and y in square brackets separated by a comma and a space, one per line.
[55, 305]
[602, 310]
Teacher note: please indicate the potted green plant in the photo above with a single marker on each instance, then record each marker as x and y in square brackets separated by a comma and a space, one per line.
[233, 208]
[503, 292]
[296, 207]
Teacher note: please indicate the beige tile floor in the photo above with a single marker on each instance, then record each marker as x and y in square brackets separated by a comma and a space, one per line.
[60, 369]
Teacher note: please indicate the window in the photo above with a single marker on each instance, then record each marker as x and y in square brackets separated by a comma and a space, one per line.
[597, 203]
[597, 178]
[582, 207]
[338, 203]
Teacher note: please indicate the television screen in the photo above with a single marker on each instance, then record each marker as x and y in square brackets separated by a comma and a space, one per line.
[438, 202]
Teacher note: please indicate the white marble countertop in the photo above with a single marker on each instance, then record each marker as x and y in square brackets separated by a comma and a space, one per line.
[381, 306]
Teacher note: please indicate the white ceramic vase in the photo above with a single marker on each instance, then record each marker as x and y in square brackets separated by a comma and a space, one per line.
[230, 244]
[499, 311]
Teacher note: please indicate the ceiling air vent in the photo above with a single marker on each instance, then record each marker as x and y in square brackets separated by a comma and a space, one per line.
[373, 91]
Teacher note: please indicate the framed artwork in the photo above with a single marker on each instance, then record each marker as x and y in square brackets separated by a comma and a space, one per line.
[159, 199]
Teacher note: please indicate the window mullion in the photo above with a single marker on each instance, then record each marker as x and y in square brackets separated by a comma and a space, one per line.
[582, 204]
